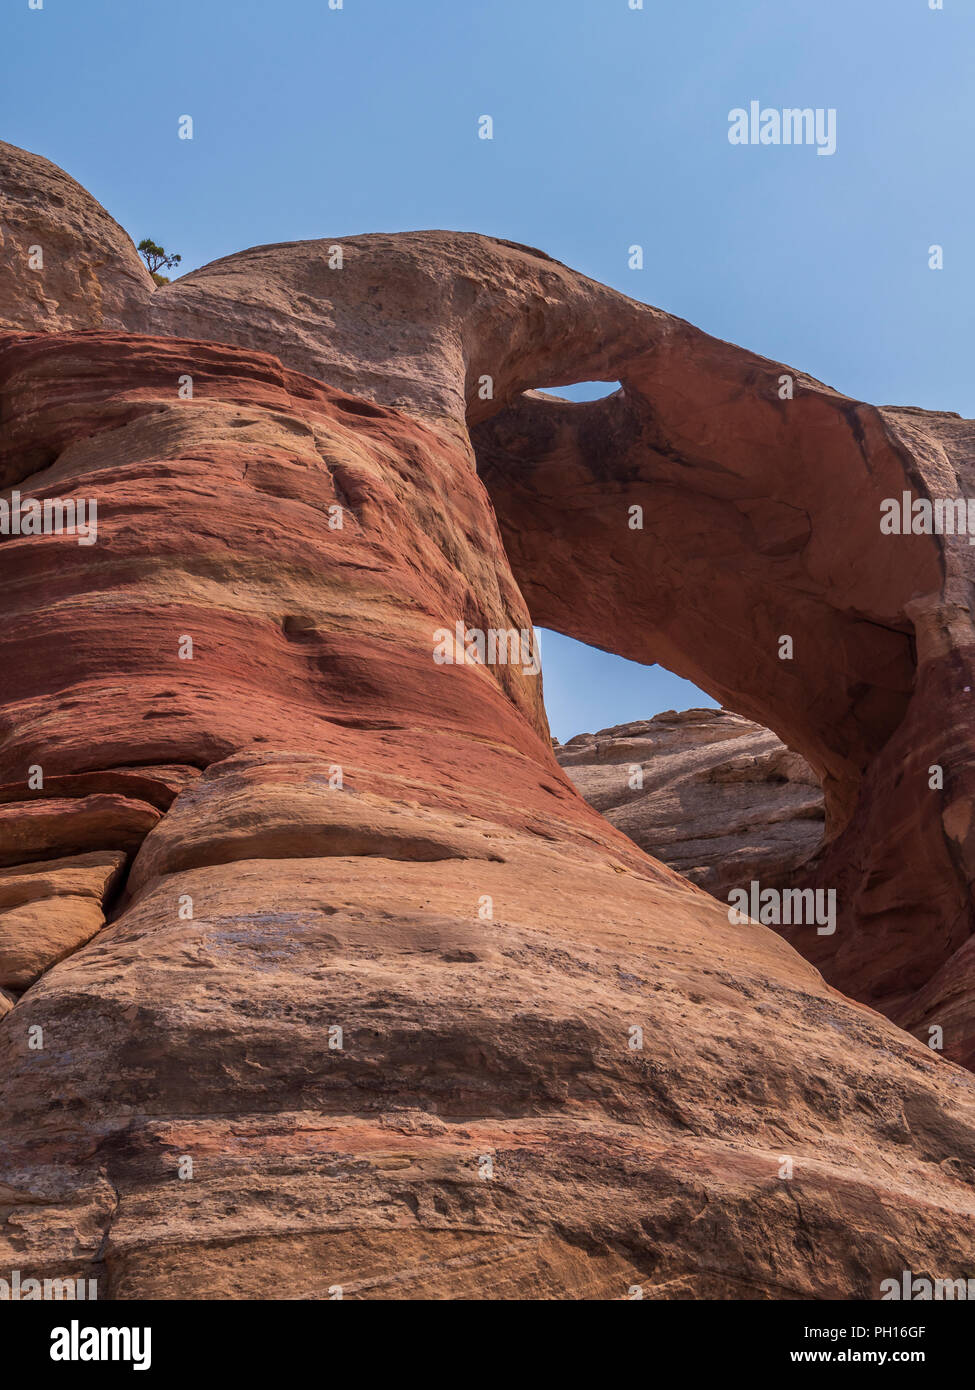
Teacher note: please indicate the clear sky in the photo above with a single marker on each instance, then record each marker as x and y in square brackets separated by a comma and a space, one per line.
[610, 128]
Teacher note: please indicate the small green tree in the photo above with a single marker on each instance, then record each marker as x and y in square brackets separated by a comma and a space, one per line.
[156, 258]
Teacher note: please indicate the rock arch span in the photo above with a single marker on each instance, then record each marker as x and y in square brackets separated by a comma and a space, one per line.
[509, 976]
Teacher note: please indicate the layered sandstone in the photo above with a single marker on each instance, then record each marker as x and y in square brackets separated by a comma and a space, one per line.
[49, 909]
[718, 798]
[382, 1003]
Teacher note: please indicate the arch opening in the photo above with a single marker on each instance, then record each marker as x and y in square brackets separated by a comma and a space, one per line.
[582, 391]
[717, 797]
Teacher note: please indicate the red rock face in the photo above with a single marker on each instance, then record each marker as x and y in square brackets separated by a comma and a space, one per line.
[761, 519]
[381, 1002]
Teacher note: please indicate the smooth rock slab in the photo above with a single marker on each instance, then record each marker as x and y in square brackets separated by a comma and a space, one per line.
[65, 826]
[49, 910]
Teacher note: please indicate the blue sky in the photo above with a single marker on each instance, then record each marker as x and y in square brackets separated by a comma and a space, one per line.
[610, 129]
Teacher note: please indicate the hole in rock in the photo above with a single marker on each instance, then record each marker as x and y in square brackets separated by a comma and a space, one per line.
[587, 689]
[717, 797]
[583, 390]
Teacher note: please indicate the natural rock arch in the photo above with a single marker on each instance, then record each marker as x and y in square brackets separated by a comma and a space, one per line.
[509, 976]
[761, 519]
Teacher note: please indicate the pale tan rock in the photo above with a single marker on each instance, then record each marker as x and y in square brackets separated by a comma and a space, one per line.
[721, 800]
[464, 1038]
[415, 320]
[36, 935]
[49, 909]
[91, 275]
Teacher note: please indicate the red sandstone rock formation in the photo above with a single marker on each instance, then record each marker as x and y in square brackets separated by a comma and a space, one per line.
[719, 799]
[425, 1023]
[761, 520]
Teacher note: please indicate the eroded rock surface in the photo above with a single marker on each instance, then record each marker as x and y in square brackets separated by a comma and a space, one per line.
[425, 1023]
[65, 263]
[718, 798]
[761, 522]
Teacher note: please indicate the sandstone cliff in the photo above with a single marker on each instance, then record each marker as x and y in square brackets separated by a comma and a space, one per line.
[379, 1001]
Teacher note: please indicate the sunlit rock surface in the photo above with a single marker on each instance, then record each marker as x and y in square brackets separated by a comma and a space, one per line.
[382, 1003]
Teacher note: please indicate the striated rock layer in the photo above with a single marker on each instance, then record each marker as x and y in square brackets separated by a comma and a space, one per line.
[382, 1003]
[719, 799]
